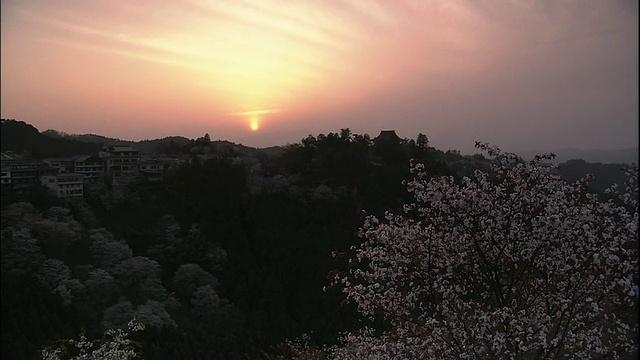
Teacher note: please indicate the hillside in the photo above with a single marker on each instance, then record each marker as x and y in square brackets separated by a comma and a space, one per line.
[25, 140]
[166, 145]
[145, 146]
[604, 175]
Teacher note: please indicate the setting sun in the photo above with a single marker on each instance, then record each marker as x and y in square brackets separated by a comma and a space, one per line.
[254, 123]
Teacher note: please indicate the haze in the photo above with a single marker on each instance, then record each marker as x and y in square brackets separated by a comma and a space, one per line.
[524, 75]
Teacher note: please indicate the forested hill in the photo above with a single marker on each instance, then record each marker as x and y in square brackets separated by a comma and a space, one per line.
[144, 146]
[25, 140]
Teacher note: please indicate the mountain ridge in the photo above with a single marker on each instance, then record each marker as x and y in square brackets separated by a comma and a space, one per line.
[150, 146]
[604, 156]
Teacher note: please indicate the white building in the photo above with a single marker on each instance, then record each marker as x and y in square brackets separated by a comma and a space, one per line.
[69, 185]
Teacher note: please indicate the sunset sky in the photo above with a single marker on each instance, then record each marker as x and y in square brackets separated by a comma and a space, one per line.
[524, 75]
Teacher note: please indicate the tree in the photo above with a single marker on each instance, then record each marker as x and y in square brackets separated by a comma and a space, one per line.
[154, 314]
[102, 287]
[140, 278]
[20, 252]
[106, 251]
[205, 140]
[205, 301]
[521, 266]
[165, 247]
[56, 237]
[422, 141]
[115, 344]
[190, 277]
[51, 273]
[118, 315]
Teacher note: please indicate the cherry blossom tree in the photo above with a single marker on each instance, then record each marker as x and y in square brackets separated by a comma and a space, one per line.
[115, 344]
[516, 264]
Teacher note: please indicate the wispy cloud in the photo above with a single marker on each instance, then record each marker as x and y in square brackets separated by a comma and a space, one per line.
[407, 60]
[255, 112]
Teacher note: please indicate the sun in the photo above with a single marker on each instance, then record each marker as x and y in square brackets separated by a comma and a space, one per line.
[254, 124]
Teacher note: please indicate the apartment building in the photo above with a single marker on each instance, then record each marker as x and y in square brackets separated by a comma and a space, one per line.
[120, 159]
[90, 166]
[68, 185]
[24, 174]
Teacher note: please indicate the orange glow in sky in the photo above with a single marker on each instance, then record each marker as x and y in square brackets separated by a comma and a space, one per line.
[457, 70]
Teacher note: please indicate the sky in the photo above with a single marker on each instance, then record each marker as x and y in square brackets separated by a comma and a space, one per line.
[522, 75]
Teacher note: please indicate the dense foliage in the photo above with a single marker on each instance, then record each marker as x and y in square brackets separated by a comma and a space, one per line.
[221, 260]
[224, 259]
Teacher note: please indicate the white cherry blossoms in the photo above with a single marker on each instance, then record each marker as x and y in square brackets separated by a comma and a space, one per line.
[516, 264]
[114, 345]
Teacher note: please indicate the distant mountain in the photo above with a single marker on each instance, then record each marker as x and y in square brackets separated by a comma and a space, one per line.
[144, 146]
[86, 138]
[156, 146]
[604, 175]
[618, 156]
[273, 151]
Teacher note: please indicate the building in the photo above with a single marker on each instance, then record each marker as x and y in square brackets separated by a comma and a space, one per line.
[387, 148]
[6, 180]
[69, 185]
[23, 175]
[63, 165]
[151, 169]
[387, 137]
[90, 166]
[121, 163]
[120, 159]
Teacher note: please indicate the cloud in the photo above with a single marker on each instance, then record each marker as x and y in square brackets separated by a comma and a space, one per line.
[511, 71]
